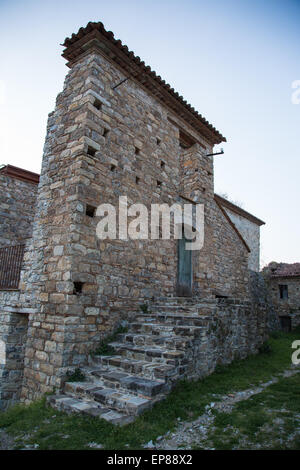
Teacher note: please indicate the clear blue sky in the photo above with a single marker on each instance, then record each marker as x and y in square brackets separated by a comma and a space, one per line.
[233, 60]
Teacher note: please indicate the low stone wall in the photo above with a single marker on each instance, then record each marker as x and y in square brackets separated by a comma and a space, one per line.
[233, 330]
[226, 330]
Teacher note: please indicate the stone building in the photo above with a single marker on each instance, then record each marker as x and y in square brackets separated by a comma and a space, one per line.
[283, 281]
[248, 226]
[18, 191]
[119, 131]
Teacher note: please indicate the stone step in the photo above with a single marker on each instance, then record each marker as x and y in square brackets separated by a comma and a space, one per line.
[124, 381]
[188, 301]
[178, 306]
[118, 400]
[196, 310]
[161, 301]
[70, 404]
[148, 353]
[151, 370]
[143, 339]
[166, 329]
[173, 319]
[149, 359]
[175, 307]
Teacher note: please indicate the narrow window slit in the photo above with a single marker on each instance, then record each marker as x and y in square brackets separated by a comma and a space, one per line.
[283, 291]
[97, 104]
[91, 151]
[137, 180]
[159, 183]
[105, 133]
[78, 287]
[162, 164]
[90, 211]
[137, 150]
[113, 167]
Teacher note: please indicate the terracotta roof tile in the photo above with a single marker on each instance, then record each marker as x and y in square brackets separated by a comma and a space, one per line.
[284, 269]
[73, 49]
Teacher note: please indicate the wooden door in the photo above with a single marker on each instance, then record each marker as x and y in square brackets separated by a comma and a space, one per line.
[184, 274]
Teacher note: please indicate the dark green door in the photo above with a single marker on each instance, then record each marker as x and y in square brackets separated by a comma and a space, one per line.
[184, 277]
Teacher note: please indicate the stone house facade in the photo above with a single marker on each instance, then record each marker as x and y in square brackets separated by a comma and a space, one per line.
[118, 130]
[283, 281]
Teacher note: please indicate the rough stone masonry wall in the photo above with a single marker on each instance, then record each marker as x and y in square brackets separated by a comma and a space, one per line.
[13, 332]
[290, 306]
[65, 248]
[234, 330]
[222, 263]
[251, 234]
[260, 296]
[123, 146]
[17, 204]
[229, 263]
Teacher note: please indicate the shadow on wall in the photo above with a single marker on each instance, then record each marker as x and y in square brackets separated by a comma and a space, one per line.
[260, 295]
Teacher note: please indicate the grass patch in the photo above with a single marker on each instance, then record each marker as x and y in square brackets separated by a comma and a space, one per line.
[144, 308]
[50, 429]
[269, 420]
[265, 348]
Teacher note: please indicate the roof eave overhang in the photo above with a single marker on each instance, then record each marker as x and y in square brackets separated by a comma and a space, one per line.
[238, 210]
[233, 226]
[95, 38]
[20, 174]
[285, 276]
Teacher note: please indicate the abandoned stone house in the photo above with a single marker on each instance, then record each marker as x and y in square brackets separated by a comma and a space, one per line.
[283, 282]
[119, 130]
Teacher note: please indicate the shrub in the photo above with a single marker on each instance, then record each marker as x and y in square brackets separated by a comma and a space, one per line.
[144, 308]
[76, 376]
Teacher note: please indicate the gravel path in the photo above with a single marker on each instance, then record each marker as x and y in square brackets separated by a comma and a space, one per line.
[189, 432]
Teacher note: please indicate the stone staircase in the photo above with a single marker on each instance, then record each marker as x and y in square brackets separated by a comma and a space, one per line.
[149, 359]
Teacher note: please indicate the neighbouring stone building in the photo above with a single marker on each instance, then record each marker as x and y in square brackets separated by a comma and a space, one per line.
[119, 130]
[283, 282]
[18, 192]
